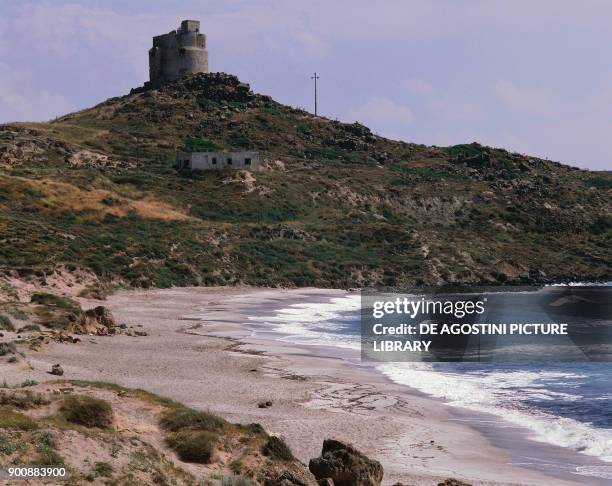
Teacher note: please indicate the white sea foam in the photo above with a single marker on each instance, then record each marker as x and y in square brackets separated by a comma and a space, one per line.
[604, 472]
[500, 393]
[493, 392]
[298, 322]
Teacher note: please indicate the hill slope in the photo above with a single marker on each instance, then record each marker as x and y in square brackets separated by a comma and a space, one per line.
[95, 193]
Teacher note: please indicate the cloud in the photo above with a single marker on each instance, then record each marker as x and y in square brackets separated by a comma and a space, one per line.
[457, 108]
[359, 20]
[381, 111]
[20, 100]
[523, 100]
[418, 87]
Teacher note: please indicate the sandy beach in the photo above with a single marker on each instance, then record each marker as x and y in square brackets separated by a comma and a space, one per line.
[198, 351]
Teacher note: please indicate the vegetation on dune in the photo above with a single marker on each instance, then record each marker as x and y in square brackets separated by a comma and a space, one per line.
[334, 206]
[180, 418]
[11, 419]
[193, 445]
[87, 411]
[277, 448]
[6, 324]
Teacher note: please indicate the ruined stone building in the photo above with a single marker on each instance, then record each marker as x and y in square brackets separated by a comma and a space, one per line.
[218, 160]
[178, 53]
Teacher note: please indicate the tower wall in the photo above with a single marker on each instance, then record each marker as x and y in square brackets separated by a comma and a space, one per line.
[178, 54]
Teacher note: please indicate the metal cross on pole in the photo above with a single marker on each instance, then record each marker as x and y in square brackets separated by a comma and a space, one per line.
[315, 77]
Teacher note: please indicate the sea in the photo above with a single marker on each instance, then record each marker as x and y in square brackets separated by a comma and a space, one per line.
[561, 404]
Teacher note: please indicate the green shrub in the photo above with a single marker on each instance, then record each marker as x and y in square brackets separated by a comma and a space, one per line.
[5, 323]
[465, 150]
[599, 182]
[47, 456]
[201, 145]
[44, 298]
[7, 348]
[277, 448]
[103, 469]
[236, 466]
[185, 418]
[9, 419]
[193, 445]
[23, 399]
[87, 411]
[6, 445]
[600, 225]
[30, 328]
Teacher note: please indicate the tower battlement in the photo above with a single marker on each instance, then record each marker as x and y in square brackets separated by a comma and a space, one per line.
[177, 54]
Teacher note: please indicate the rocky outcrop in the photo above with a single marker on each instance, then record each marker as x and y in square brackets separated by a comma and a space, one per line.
[345, 466]
[101, 316]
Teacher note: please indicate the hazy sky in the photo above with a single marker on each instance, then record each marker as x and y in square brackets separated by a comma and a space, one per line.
[533, 76]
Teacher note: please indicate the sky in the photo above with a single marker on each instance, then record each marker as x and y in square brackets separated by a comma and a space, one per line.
[530, 76]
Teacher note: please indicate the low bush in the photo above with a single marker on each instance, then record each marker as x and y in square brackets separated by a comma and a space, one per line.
[45, 448]
[87, 411]
[193, 445]
[7, 348]
[30, 328]
[6, 324]
[236, 481]
[277, 448]
[599, 182]
[103, 469]
[22, 399]
[182, 418]
[44, 298]
[201, 145]
[9, 419]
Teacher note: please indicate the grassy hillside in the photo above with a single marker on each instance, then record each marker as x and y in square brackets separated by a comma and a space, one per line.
[335, 205]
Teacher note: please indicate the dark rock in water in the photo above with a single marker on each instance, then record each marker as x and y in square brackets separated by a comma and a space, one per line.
[345, 466]
[57, 370]
[453, 482]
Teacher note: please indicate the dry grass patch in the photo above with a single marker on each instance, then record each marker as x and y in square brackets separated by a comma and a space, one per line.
[53, 196]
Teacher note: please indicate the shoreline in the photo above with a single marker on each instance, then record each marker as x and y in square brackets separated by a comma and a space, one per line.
[213, 362]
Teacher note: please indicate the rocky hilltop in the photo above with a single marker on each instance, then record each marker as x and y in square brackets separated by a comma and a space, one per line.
[93, 199]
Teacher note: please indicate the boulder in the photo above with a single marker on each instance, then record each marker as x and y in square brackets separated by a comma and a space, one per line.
[57, 370]
[345, 466]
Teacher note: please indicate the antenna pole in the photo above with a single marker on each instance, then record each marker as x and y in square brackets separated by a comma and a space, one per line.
[315, 77]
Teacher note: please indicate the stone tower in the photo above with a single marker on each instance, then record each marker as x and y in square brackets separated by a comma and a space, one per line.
[177, 54]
